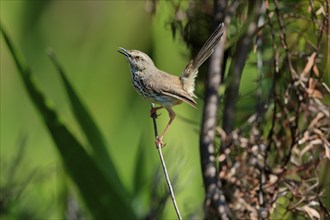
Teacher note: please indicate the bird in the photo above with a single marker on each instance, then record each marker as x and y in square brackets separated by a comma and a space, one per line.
[165, 89]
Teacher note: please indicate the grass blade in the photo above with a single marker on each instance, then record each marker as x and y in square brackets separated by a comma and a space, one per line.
[99, 194]
[90, 129]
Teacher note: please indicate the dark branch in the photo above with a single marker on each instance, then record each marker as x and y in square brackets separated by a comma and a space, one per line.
[236, 68]
[215, 201]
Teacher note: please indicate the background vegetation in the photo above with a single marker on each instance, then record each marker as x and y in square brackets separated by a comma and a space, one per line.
[54, 160]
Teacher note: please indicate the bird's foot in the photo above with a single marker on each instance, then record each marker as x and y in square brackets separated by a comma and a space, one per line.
[159, 142]
[153, 112]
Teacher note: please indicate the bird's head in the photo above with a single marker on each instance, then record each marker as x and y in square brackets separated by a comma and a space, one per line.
[137, 59]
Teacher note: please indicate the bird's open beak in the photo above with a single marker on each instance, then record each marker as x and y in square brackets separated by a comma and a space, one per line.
[124, 52]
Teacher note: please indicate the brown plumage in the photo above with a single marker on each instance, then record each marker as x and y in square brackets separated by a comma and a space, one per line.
[165, 89]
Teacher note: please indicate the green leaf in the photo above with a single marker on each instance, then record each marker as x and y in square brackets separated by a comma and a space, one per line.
[99, 194]
[90, 129]
[140, 174]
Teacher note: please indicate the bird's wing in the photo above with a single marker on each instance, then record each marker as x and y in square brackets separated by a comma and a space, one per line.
[170, 85]
[185, 99]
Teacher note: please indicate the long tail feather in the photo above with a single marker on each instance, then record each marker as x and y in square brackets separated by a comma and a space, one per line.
[208, 47]
[190, 73]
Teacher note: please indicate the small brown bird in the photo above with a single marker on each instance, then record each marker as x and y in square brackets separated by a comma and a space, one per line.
[165, 89]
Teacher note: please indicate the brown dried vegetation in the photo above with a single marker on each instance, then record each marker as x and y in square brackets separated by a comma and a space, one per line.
[275, 163]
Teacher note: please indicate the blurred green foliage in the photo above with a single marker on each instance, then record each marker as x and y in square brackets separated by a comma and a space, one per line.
[85, 36]
[97, 142]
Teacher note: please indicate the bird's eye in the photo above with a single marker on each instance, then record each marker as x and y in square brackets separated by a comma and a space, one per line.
[137, 57]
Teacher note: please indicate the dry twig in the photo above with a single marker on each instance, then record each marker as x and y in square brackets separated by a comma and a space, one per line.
[168, 181]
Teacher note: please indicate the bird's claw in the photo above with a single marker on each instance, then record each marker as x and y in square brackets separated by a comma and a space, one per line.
[159, 142]
[153, 113]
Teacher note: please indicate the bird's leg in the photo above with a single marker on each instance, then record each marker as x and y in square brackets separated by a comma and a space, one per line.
[153, 111]
[159, 140]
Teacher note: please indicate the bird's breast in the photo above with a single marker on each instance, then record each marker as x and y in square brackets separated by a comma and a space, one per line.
[139, 84]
